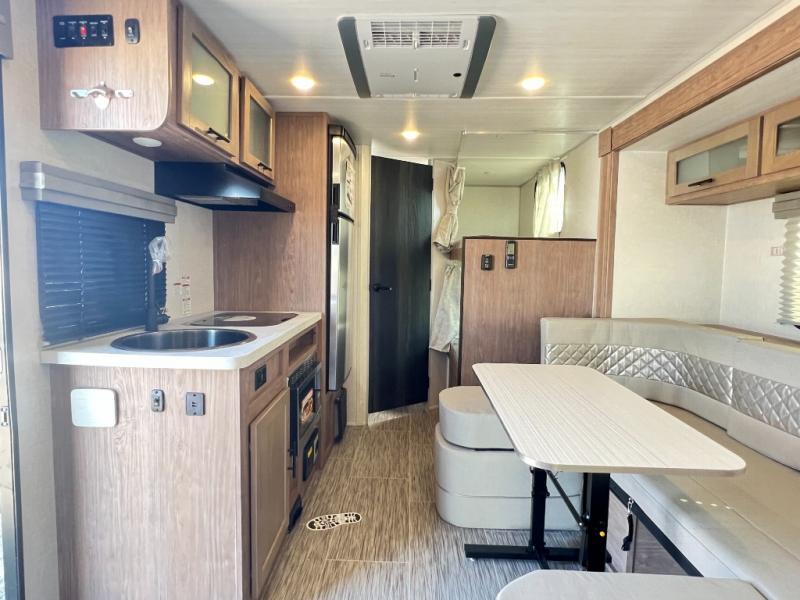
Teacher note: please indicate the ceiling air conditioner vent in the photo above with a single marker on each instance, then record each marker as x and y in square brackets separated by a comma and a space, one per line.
[416, 34]
[416, 56]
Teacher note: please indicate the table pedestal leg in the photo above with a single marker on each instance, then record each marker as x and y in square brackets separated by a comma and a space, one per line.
[595, 518]
[536, 549]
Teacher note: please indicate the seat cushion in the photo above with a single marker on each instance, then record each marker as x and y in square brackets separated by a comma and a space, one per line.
[467, 419]
[746, 526]
[577, 585]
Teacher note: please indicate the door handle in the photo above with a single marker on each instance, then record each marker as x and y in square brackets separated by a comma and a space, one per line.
[701, 182]
[377, 287]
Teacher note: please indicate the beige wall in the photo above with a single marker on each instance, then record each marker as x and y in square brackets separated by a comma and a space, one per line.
[526, 209]
[191, 255]
[489, 210]
[751, 277]
[25, 141]
[582, 191]
[581, 194]
[668, 259]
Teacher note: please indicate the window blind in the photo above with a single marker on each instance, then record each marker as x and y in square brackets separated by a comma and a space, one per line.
[790, 278]
[93, 269]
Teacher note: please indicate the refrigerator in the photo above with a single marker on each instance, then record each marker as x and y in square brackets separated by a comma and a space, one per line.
[341, 212]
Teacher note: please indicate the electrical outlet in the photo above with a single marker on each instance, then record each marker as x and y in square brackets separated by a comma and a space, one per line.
[195, 404]
[157, 400]
[776, 251]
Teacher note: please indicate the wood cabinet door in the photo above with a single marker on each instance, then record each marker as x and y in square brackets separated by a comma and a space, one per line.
[727, 156]
[208, 102]
[781, 148]
[268, 510]
[258, 130]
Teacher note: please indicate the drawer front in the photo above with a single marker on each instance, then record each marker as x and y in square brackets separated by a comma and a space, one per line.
[263, 375]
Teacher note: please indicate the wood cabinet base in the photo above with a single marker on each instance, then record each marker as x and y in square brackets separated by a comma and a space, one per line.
[166, 505]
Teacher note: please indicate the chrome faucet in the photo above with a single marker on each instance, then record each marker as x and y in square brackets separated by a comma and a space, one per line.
[158, 254]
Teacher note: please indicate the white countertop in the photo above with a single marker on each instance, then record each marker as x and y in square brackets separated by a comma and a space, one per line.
[98, 352]
[571, 418]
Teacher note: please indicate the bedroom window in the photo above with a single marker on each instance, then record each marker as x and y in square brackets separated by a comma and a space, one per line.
[93, 269]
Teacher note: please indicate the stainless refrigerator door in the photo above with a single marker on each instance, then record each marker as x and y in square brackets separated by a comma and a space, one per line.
[338, 357]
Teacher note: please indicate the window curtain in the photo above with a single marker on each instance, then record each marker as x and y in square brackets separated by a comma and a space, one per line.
[548, 200]
[447, 229]
[446, 320]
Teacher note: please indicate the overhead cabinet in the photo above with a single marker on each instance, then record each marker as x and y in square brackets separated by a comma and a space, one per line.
[752, 160]
[171, 92]
[782, 138]
[208, 102]
[725, 157]
[258, 130]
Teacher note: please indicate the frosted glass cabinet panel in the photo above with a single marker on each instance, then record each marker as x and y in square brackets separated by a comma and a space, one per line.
[725, 157]
[782, 138]
[209, 100]
[258, 130]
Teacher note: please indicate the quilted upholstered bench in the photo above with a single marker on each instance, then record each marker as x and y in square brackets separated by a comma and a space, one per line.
[739, 390]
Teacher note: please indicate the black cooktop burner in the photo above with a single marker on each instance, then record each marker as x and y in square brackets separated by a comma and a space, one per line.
[244, 319]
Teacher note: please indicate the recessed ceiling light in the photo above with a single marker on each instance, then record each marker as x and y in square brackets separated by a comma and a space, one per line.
[147, 142]
[533, 83]
[410, 134]
[202, 79]
[302, 83]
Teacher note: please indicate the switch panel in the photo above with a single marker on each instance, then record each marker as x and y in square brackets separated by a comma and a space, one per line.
[78, 31]
[195, 404]
[487, 262]
[261, 376]
[157, 400]
[511, 254]
[132, 32]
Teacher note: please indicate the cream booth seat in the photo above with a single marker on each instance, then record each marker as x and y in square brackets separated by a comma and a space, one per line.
[742, 392]
[480, 481]
[577, 585]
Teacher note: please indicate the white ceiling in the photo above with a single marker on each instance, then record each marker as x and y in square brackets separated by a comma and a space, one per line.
[511, 159]
[599, 56]
[774, 88]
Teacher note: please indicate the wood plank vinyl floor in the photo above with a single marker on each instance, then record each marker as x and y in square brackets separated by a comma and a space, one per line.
[401, 550]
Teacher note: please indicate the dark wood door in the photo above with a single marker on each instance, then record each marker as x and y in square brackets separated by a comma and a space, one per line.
[400, 288]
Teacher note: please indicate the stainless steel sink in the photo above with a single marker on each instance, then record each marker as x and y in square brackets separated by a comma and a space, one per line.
[182, 339]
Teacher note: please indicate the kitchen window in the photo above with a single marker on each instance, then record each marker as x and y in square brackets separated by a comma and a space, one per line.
[93, 269]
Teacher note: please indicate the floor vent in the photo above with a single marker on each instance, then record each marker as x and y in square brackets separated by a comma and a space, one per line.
[326, 522]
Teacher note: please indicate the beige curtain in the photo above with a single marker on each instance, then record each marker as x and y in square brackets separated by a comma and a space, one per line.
[548, 201]
[447, 229]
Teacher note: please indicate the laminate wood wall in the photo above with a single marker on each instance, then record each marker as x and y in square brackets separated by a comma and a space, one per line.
[278, 261]
[501, 308]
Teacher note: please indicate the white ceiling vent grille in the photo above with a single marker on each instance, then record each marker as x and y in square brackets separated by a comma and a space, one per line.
[416, 55]
[415, 34]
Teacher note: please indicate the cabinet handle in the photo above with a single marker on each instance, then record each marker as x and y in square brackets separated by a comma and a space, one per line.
[701, 182]
[101, 94]
[211, 132]
[262, 166]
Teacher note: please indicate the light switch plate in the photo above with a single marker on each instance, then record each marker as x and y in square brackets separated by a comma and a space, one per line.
[93, 407]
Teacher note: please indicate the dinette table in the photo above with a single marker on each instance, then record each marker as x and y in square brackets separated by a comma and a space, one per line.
[574, 419]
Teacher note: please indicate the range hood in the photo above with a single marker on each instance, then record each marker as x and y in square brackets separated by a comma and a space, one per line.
[219, 186]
